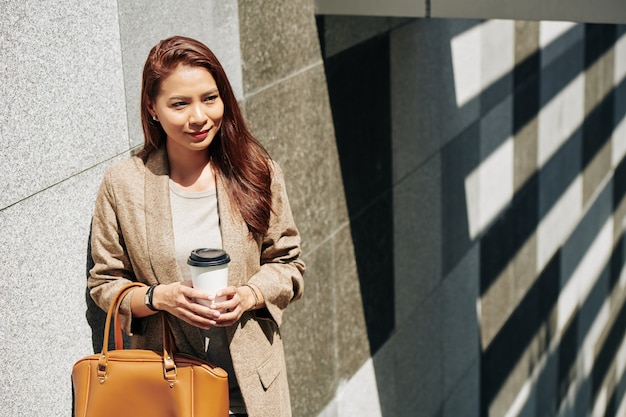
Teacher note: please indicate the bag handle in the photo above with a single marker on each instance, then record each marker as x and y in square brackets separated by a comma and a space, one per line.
[169, 366]
[117, 327]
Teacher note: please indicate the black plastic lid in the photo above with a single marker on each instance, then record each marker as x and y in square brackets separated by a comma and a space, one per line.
[208, 257]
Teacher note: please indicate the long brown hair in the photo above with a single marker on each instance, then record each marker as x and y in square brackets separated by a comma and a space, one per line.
[240, 158]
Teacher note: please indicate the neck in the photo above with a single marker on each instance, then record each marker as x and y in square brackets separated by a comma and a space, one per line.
[191, 170]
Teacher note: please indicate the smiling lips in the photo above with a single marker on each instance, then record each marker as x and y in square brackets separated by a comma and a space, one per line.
[199, 135]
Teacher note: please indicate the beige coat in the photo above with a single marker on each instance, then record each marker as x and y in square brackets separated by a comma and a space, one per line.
[132, 239]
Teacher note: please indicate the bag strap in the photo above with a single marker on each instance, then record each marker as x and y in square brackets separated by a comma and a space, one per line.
[169, 366]
[113, 312]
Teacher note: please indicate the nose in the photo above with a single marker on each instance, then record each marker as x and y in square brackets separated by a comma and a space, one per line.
[198, 116]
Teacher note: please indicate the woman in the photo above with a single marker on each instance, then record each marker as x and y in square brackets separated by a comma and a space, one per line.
[201, 180]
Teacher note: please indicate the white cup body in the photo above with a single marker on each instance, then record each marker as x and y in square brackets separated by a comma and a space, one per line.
[210, 279]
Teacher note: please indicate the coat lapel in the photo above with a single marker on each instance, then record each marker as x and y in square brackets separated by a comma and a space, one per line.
[159, 232]
[234, 232]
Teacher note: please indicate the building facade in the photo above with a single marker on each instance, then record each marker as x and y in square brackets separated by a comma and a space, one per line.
[459, 185]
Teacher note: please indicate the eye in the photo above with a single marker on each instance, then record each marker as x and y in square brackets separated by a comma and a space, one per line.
[211, 98]
[178, 104]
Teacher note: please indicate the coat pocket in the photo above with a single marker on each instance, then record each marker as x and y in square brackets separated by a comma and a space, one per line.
[269, 371]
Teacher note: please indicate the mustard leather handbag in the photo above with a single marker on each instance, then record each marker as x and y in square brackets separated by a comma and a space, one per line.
[133, 382]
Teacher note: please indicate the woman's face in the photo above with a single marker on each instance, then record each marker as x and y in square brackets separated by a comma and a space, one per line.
[189, 108]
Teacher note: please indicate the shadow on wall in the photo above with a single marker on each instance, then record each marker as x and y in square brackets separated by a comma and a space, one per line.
[547, 321]
[358, 85]
[530, 354]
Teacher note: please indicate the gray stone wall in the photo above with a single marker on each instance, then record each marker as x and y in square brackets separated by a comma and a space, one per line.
[459, 186]
[495, 151]
[287, 107]
[70, 77]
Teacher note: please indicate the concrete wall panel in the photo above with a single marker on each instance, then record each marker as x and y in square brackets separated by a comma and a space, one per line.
[426, 111]
[63, 88]
[273, 48]
[509, 113]
[417, 211]
[43, 330]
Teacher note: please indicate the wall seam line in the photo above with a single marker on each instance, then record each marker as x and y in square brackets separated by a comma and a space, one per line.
[63, 180]
[274, 83]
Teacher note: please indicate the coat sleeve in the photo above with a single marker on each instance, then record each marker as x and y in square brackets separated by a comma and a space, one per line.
[112, 267]
[280, 277]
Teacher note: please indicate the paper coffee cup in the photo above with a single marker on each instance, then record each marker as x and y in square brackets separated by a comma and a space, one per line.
[209, 271]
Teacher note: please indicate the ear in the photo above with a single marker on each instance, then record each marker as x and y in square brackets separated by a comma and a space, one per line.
[150, 107]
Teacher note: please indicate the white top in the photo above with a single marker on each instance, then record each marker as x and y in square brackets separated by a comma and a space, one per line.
[196, 223]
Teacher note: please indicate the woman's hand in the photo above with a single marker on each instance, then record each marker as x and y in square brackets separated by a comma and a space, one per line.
[197, 307]
[237, 301]
[183, 301]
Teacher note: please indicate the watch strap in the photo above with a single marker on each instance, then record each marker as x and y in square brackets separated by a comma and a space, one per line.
[148, 298]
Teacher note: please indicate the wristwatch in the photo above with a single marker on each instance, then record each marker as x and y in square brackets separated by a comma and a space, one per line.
[148, 298]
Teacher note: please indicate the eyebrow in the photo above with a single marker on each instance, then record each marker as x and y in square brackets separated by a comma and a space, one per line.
[179, 97]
